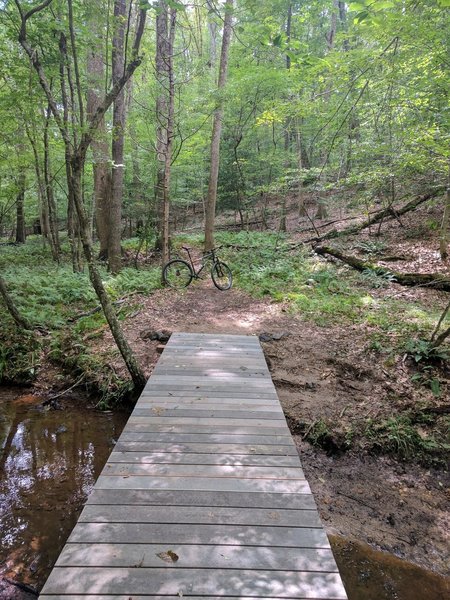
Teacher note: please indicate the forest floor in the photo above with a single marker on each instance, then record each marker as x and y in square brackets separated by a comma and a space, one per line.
[368, 420]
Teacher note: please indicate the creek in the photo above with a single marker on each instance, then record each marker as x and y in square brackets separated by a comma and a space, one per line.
[49, 463]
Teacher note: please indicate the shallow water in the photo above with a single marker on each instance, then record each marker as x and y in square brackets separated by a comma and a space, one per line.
[49, 462]
[372, 575]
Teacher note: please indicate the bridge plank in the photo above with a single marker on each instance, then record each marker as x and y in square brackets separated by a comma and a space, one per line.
[203, 459]
[259, 583]
[183, 514]
[195, 556]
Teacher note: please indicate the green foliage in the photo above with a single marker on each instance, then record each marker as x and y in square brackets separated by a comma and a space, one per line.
[423, 351]
[377, 278]
[19, 354]
[131, 280]
[371, 246]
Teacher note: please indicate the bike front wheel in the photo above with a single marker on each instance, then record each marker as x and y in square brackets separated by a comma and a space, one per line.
[221, 276]
[177, 273]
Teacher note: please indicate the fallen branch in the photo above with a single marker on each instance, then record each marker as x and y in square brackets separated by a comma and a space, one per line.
[95, 310]
[22, 586]
[76, 384]
[382, 215]
[435, 281]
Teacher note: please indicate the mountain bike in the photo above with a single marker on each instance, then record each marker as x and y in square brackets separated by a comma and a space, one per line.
[179, 273]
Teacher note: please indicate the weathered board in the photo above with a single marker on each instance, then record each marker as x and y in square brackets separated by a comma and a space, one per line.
[203, 496]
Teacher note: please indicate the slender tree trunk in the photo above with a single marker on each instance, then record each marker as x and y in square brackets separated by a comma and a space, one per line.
[165, 35]
[49, 195]
[161, 118]
[300, 196]
[287, 123]
[210, 208]
[19, 319]
[115, 211]
[443, 241]
[20, 211]
[135, 371]
[43, 206]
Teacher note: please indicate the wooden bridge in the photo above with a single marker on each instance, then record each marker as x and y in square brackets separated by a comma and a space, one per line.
[203, 496]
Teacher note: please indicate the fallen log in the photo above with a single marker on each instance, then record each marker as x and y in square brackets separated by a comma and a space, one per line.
[436, 281]
[386, 214]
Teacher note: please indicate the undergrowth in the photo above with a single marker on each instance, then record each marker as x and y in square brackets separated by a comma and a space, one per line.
[263, 264]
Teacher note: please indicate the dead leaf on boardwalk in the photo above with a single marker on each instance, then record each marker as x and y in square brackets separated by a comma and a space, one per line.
[169, 557]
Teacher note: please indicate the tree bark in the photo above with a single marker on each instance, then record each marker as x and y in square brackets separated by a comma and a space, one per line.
[443, 240]
[20, 211]
[49, 194]
[287, 123]
[165, 36]
[100, 147]
[435, 281]
[115, 208]
[210, 208]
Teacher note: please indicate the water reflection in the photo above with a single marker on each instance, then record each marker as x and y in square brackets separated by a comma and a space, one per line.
[48, 465]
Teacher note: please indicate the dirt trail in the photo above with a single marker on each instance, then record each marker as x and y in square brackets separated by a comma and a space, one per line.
[318, 373]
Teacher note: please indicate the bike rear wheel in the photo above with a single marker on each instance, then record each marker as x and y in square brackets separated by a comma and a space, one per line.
[177, 273]
[221, 276]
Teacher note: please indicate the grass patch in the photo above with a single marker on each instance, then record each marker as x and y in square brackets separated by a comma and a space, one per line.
[409, 437]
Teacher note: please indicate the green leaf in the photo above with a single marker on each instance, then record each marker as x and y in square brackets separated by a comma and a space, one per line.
[276, 41]
[435, 387]
[382, 4]
[444, 3]
[175, 5]
[360, 17]
[356, 6]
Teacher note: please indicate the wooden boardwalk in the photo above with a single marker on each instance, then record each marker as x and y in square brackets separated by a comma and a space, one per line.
[203, 496]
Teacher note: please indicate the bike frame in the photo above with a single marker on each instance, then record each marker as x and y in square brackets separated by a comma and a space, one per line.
[206, 255]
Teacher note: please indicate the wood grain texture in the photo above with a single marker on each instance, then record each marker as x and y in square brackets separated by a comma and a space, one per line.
[203, 496]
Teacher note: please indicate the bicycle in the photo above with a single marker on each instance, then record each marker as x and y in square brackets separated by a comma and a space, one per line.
[179, 273]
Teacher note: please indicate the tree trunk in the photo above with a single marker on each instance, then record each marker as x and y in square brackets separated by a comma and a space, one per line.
[20, 213]
[100, 147]
[115, 209]
[302, 212]
[210, 208]
[443, 241]
[135, 371]
[49, 195]
[165, 35]
[19, 320]
[287, 123]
